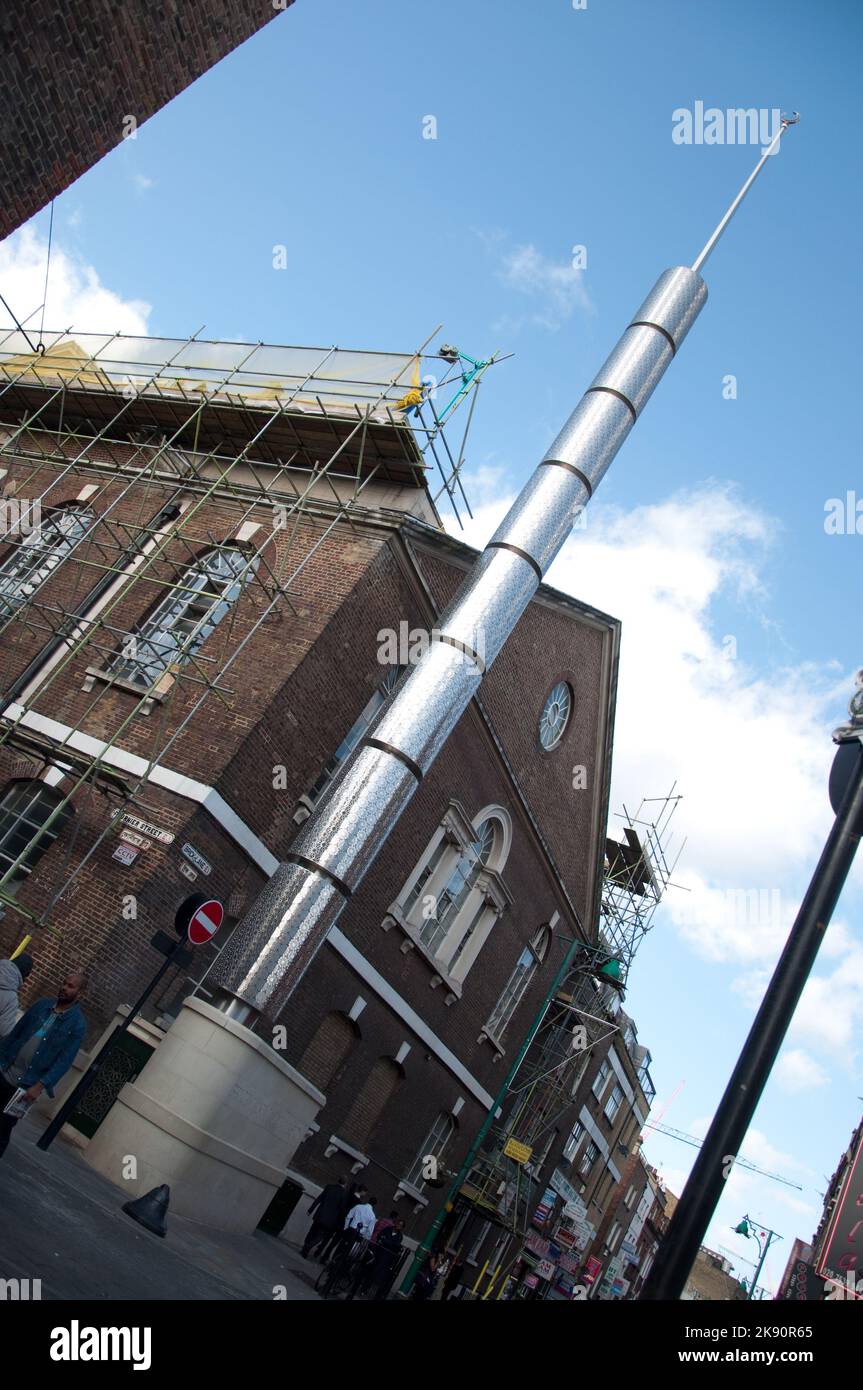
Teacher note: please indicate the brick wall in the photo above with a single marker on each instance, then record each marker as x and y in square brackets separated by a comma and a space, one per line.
[73, 73]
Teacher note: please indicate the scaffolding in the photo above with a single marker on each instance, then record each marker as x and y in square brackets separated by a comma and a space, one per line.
[504, 1184]
[152, 430]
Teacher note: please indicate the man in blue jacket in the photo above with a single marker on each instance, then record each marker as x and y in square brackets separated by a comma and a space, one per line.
[41, 1048]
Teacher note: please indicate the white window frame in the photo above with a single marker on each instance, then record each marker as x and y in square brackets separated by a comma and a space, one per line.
[31, 562]
[588, 1159]
[435, 1144]
[573, 1143]
[614, 1102]
[519, 981]
[358, 729]
[32, 793]
[158, 630]
[454, 949]
[601, 1078]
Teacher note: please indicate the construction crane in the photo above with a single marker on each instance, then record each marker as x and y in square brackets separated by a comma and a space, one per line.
[696, 1144]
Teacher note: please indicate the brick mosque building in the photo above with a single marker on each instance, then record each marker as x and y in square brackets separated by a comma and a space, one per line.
[215, 560]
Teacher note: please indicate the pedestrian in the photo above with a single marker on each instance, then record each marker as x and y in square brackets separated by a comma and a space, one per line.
[424, 1284]
[382, 1223]
[41, 1048]
[387, 1249]
[329, 1208]
[453, 1278]
[13, 973]
[356, 1193]
[361, 1218]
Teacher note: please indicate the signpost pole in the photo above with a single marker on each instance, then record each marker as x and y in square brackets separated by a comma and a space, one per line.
[730, 1124]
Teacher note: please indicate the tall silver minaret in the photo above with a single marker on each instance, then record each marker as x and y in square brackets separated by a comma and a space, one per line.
[271, 948]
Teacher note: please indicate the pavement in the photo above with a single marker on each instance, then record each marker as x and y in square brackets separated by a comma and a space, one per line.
[62, 1223]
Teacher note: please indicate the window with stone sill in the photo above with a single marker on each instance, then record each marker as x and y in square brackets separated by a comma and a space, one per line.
[516, 986]
[601, 1078]
[33, 560]
[613, 1104]
[588, 1158]
[172, 634]
[32, 816]
[310, 799]
[452, 900]
[573, 1142]
[434, 1147]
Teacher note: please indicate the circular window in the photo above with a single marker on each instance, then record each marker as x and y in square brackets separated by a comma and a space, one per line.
[555, 715]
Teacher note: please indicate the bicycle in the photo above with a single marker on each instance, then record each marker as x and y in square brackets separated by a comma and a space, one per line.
[338, 1275]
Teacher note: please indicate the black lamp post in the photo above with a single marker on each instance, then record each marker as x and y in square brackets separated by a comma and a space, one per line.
[725, 1136]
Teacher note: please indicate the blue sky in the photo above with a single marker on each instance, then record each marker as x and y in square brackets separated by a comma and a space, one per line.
[554, 130]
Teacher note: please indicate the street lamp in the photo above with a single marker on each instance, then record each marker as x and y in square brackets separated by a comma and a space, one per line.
[747, 1228]
[733, 1117]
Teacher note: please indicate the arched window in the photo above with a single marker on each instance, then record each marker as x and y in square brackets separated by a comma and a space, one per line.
[25, 807]
[445, 905]
[310, 798]
[328, 1050]
[434, 1148]
[181, 622]
[525, 968]
[34, 559]
[370, 1103]
[452, 900]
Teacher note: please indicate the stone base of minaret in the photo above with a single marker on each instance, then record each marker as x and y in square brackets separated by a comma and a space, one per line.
[216, 1114]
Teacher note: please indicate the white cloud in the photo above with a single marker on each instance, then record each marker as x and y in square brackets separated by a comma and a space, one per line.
[829, 1016]
[76, 295]
[749, 752]
[749, 747]
[556, 287]
[142, 182]
[797, 1071]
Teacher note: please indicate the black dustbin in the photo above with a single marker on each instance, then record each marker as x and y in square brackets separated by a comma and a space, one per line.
[275, 1217]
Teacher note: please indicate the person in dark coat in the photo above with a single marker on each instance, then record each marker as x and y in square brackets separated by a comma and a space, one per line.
[387, 1249]
[327, 1210]
[356, 1193]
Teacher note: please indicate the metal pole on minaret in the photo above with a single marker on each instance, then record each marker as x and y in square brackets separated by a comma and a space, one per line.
[273, 945]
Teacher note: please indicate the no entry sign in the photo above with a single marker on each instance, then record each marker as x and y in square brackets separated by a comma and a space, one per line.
[205, 921]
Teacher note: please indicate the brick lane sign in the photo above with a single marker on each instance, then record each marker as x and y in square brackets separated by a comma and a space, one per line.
[197, 859]
[205, 922]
